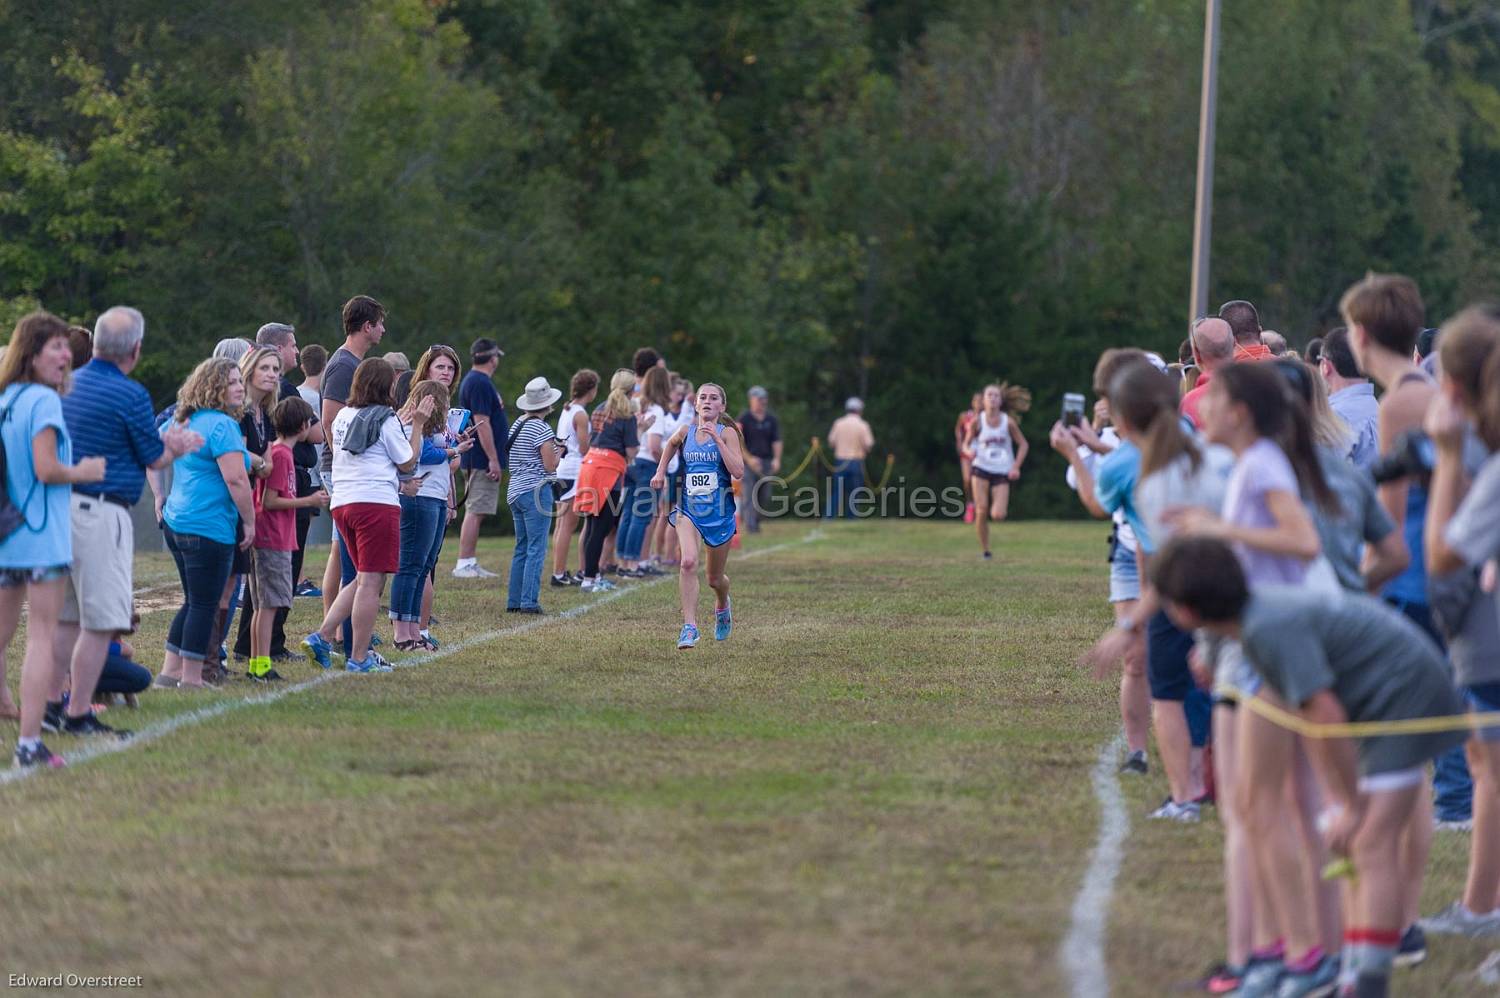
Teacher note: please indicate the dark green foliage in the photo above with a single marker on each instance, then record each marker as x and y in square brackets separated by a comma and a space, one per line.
[896, 199]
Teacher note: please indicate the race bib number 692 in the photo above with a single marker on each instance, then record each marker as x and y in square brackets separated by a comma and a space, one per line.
[702, 483]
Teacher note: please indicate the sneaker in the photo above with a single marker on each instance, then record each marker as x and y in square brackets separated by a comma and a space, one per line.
[723, 622]
[603, 585]
[1136, 763]
[88, 724]
[573, 580]
[473, 572]
[688, 638]
[1413, 948]
[987, 556]
[356, 665]
[307, 589]
[630, 573]
[319, 652]
[1261, 979]
[1187, 812]
[1457, 920]
[1222, 979]
[52, 717]
[269, 676]
[533, 610]
[1455, 825]
[562, 581]
[40, 756]
[1319, 982]
[651, 570]
[378, 662]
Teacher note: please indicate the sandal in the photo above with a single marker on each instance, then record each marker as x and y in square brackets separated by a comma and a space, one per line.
[416, 644]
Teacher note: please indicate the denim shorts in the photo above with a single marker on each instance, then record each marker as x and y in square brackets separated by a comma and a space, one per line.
[1167, 650]
[12, 577]
[1124, 576]
[1484, 698]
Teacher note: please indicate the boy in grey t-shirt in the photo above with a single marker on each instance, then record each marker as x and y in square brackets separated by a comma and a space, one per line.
[1334, 659]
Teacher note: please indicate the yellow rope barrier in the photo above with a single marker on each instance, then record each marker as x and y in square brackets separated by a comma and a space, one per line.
[1362, 729]
[815, 451]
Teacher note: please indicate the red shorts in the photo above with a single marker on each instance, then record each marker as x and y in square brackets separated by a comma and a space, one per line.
[371, 533]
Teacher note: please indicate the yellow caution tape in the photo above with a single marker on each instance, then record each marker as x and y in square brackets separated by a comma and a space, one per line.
[1361, 729]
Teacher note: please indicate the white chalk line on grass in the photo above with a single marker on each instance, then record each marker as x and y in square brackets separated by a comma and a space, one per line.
[160, 729]
[1083, 946]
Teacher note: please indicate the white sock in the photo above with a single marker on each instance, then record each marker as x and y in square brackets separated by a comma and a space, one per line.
[466, 562]
[28, 743]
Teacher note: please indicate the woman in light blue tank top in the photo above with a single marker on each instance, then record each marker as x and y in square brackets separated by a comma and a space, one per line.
[712, 458]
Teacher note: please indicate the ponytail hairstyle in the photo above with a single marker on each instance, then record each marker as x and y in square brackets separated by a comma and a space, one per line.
[1013, 398]
[1469, 349]
[618, 405]
[1146, 400]
[584, 381]
[1328, 427]
[1279, 414]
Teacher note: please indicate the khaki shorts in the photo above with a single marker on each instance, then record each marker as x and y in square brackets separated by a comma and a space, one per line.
[271, 579]
[103, 549]
[483, 495]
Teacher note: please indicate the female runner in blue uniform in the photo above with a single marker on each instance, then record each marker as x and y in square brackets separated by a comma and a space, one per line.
[712, 457]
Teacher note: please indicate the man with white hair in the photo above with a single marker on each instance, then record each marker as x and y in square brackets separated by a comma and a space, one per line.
[1213, 348]
[851, 440]
[108, 415]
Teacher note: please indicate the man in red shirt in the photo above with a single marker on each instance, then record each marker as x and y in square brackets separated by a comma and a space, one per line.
[1245, 321]
[1213, 347]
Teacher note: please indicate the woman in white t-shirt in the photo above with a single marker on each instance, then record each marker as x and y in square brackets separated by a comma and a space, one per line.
[996, 451]
[371, 448]
[679, 413]
[631, 544]
[573, 435]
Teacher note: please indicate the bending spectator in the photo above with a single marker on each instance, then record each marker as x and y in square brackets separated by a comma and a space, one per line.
[370, 450]
[108, 416]
[534, 454]
[363, 319]
[573, 435]
[1352, 397]
[37, 548]
[210, 488]
[762, 433]
[425, 514]
[1213, 349]
[611, 449]
[851, 440]
[484, 463]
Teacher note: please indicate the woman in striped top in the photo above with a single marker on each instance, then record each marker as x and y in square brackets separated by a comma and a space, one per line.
[534, 454]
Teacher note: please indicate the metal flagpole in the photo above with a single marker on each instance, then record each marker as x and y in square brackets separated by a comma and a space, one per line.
[1203, 223]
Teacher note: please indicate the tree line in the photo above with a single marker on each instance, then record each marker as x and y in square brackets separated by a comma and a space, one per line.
[890, 198]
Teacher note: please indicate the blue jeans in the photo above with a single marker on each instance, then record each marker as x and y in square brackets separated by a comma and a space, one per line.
[424, 521]
[203, 567]
[1452, 786]
[639, 510]
[847, 476]
[121, 675]
[532, 513]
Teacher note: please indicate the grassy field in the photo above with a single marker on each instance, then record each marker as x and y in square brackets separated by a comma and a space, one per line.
[879, 785]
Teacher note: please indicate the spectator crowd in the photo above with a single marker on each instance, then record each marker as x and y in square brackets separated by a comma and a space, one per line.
[1303, 542]
[246, 456]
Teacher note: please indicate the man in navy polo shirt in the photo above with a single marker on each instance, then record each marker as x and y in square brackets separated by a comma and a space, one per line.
[108, 416]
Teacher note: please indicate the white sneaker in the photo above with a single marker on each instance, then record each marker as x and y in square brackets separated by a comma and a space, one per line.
[1186, 813]
[473, 571]
[1457, 920]
[1461, 825]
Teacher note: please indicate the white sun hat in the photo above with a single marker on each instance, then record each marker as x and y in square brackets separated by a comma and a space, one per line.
[538, 396]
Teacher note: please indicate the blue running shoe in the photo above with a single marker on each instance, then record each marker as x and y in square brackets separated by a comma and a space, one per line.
[1320, 982]
[689, 636]
[723, 622]
[356, 665]
[319, 652]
